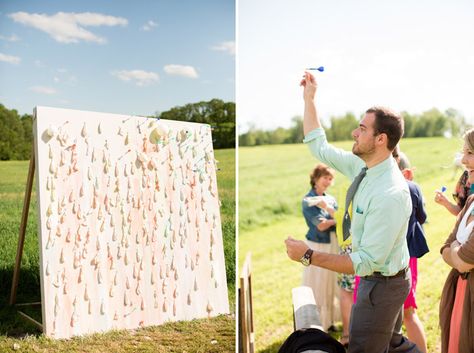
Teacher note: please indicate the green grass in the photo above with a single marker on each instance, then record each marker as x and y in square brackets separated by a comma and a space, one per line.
[193, 336]
[272, 181]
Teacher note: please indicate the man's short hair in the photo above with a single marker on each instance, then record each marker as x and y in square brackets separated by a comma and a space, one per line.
[389, 123]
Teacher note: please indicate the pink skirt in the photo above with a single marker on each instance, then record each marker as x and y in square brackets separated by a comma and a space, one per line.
[410, 301]
[456, 316]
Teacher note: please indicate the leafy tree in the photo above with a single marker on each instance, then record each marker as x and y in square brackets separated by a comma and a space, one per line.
[248, 138]
[217, 113]
[409, 124]
[296, 131]
[457, 124]
[341, 127]
[17, 136]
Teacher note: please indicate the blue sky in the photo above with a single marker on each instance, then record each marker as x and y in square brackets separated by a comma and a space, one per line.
[408, 55]
[126, 57]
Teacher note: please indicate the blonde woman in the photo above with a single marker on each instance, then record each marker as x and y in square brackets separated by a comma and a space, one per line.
[456, 312]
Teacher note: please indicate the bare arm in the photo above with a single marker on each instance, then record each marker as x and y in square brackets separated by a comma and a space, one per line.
[447, 256]
[338, 263]
[333, 262]
[457, 263]
[311, 120]
[325, 224]
[451, 257]
[441, 199]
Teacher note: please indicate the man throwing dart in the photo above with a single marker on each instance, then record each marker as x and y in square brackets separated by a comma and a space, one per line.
[377, 210]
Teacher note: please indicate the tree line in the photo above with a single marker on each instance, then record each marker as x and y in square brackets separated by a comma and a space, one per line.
[217, 113]
[16, 132]
[339, 128]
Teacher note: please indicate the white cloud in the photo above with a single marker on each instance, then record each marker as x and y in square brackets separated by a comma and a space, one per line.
[149, 26]
[181, 70]
[141, 78]
[228, 47]
[10, 59]
[12, 38]
[68, 27]
[43, 90]
[56, 79]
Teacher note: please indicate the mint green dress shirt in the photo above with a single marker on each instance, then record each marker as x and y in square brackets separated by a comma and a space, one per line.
[380, 209]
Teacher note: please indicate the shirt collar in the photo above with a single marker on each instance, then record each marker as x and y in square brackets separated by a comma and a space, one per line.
[313, 193]
[378, 169]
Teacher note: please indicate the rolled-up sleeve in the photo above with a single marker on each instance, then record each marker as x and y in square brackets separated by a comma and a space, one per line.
[343, 161]
[379, 237]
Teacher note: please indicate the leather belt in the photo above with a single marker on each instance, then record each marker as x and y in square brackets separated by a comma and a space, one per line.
[398, 274]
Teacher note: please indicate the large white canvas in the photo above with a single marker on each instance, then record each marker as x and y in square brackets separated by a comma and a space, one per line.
[129, 222]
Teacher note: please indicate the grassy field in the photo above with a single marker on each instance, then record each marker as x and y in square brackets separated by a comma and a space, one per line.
[206, 335]
[272, 181]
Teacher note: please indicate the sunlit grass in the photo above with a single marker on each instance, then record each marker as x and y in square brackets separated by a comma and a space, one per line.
[272, 181]
[194, 336]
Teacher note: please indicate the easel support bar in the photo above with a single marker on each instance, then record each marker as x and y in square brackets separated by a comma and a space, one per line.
[24, 220]
[29, 304]
[30, 319]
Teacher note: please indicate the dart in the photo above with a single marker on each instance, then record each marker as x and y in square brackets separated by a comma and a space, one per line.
[320, 69]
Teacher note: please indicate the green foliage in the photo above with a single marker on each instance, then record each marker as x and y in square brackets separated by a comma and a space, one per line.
[217, 113]
[428, 124]
[434, 123]
[226, 187]
[341, 127]
[256, 137]
[16, 136]
[17, 132]
[272, 182]
[296, 131]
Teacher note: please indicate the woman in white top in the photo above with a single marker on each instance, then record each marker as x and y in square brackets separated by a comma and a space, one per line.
[457, 300]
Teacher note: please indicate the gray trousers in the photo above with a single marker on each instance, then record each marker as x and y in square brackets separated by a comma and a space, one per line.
[377, 316]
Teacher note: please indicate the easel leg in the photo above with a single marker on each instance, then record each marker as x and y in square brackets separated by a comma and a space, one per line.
[24, 220]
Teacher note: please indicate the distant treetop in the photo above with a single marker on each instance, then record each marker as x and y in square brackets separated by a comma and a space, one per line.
[17, 131]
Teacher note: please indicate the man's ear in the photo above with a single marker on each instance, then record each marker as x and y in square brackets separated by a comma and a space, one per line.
[381, 139]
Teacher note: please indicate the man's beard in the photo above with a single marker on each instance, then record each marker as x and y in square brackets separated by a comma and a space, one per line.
[363, 153]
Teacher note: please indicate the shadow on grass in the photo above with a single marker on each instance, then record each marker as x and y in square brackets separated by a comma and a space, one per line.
[11, 323]
[273, 348]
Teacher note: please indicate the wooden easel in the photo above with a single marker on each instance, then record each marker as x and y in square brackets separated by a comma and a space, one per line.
[246, 327]
[21, 241]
